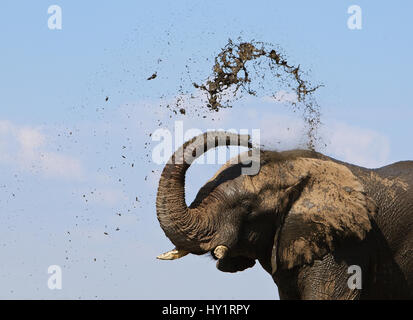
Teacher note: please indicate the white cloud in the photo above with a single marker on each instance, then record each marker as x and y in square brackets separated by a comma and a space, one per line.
[57, 165]
[26, 148]
[282, 132]
[360, 146]
[29, 138]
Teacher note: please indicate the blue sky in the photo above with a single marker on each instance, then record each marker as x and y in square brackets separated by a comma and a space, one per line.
[64, 179]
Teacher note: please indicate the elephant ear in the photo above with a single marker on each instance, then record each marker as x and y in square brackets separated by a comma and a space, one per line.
[331, 209]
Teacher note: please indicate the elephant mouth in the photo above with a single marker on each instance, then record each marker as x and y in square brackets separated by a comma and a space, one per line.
[235, 264]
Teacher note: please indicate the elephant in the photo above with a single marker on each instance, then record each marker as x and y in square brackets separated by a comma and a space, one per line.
[314, 223]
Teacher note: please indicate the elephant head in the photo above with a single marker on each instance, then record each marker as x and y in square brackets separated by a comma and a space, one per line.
[299, 205]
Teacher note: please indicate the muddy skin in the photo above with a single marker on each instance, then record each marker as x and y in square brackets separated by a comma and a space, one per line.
[305, 217]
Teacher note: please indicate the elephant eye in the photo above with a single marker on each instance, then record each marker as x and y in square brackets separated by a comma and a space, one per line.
[247, 205]
[252, 215]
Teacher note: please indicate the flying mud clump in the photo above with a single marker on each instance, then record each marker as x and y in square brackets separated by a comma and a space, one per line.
[258, 69]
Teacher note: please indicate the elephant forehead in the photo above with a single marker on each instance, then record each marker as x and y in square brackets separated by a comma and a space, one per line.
[231, 162]
[287, 173]
[269, 175]
[327, 173]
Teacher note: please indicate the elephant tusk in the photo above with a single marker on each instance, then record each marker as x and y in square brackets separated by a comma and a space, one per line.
[221, 251]
[172, 255]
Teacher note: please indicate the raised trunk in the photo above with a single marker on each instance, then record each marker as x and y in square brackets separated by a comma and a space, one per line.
[188, 228]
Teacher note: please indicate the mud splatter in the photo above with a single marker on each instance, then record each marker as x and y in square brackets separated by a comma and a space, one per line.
[153, 76]
[231, 71]
[258, 69]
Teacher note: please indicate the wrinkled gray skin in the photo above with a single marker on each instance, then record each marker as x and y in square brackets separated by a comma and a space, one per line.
[307, 258]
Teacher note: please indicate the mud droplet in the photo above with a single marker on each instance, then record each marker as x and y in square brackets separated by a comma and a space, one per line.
[153, 76]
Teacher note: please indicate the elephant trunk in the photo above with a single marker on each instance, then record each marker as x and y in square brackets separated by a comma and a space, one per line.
[188, 228]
